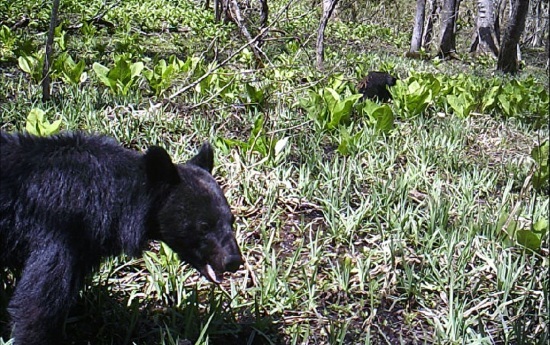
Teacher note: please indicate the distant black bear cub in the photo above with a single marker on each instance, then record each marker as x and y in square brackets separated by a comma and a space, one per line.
[69, 200]
[375, 86]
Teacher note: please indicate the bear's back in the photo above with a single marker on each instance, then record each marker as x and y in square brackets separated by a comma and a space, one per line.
[75, 185]
[69, 162]
[29, 149]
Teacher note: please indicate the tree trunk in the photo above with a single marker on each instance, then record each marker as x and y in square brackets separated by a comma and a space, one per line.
[264, 12]
[547, 50]
[416, 41]
[497, 20]
[536, 27]
[433, 6]
[46, 80]
[485, 39]
[508, 61]
[221, 7]
[447, 43]
[328, 7]
[217, 11]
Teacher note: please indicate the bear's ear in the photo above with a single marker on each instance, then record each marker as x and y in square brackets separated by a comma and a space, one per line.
[159, 166]
[205, 158]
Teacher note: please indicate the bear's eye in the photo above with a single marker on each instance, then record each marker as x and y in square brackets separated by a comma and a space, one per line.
[203, 228]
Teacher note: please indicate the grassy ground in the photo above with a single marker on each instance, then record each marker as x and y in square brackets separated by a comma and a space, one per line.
[402, 239]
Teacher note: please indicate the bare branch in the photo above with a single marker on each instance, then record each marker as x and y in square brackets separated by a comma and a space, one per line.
[223, 63]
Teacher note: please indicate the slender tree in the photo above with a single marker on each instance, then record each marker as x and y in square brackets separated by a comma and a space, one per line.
[264, 13]
[547, 50]
[221, 7]
[508, 61]
[449, 14]
[46, 80]
[328, 8]
[485, 38]
[536, 26]
[433, 9]
[416, 41]
[217, 10]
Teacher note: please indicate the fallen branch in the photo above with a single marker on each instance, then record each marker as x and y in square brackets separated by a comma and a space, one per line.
[238, 19]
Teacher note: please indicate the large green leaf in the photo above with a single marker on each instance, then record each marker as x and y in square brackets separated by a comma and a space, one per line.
[490, 98]
[25, 64]
[314, 107]
[541, 227]
[121, 72]
[462, 105]
[541, 156]
[102, 73]
[383, 117]
[380, 115]
[136, 68]
[342, 109]
[331, 98]
[528, 239]
[36, 123]
[32, 65]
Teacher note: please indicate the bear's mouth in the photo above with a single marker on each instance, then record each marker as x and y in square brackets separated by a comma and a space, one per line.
[209, 272]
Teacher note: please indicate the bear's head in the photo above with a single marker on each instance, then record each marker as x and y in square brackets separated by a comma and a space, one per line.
[391, 80]
[193, 217]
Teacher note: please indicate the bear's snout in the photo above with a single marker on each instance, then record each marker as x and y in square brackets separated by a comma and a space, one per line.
[232, 257]
[231, 263]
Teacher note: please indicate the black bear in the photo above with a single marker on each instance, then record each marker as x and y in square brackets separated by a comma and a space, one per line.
[69, 200]
[375, 86]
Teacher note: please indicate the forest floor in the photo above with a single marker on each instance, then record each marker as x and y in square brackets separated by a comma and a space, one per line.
[351, 234]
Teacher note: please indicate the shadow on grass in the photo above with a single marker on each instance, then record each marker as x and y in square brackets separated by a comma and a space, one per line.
[102, 315]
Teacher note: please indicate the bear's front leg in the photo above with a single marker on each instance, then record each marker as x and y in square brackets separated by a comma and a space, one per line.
[49, 283]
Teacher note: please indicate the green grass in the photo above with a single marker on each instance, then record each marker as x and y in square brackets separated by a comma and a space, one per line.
[403, 240]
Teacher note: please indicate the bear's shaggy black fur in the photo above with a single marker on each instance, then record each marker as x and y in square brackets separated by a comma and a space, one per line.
[375, 86]
[70, 200]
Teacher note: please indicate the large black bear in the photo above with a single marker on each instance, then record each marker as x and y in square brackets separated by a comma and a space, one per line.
[375, 86]
[69, 200]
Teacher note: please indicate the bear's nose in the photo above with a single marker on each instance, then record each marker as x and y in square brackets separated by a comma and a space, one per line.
[232, 263]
